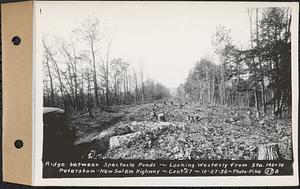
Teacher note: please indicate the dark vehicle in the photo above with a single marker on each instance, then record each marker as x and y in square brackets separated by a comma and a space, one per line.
[58, 135]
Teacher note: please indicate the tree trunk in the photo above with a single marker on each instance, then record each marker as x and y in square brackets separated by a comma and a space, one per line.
[260, 67]
[51, 83]
[49, 56]
[82, 91]
[106, 76]
[59, 79]
[251, 43]
[256, 102]
[70, 83]
[142, 87]
[88, 91]
[221, 89]
[75, 79]
[95, 76]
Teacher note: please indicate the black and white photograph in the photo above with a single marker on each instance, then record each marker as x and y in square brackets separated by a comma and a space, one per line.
[167, 81]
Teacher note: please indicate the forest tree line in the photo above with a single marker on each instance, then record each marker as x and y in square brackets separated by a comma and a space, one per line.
[79, 73]
[259, 76]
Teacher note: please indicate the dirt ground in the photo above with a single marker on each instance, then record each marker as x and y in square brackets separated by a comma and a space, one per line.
[219, 132]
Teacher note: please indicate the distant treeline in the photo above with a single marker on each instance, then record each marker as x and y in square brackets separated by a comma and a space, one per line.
[259, 76]
[79, 73]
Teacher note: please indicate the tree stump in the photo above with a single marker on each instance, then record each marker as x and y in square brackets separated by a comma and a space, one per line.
[91, 113]
[268, 152]
[161, 117]
[153, 116]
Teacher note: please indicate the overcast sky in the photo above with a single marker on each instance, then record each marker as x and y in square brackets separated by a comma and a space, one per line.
[166, 37]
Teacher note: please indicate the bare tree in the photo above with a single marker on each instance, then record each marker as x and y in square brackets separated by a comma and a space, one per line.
[136, 89]
[142, 82]
[106, 75]
[46, 62]
[49, 53]
[91, 34]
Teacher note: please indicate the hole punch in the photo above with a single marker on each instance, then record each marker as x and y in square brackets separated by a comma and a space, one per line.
[19, 144]
[16, 40]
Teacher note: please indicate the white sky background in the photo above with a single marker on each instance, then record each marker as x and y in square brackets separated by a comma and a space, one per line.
[166, 37]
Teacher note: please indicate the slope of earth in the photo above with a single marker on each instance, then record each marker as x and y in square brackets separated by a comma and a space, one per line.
[220, 132]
